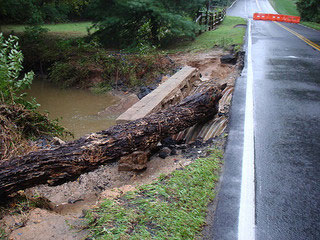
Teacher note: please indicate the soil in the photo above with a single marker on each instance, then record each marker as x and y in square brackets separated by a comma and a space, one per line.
[67, 204]
[209, 65]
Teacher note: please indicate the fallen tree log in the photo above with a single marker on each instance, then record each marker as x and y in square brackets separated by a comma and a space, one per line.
[64, 163]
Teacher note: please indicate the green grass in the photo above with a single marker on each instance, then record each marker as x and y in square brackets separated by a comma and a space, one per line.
[287, 7]
[173, 207]
[224, 36]
[72, 29]
[3, 235]
[312, 25]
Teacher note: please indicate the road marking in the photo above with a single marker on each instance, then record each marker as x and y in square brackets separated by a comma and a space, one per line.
[232, 4]
[306, 40]
[246, 227]
[258, 4]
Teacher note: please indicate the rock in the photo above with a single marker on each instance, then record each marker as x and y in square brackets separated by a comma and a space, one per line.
[152, 87]
[228, 59]
[72, 201]
[57, 141]
[164, 152]
[173, 152]
[169, 142]
[183, 146]
[135, 161]
[144, 91]
[198, 143]
[178, 152]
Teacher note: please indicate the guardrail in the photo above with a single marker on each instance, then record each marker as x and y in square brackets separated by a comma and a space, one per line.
[276, 17]
[210, 19]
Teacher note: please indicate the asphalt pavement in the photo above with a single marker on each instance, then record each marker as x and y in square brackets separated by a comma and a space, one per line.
[286, 116]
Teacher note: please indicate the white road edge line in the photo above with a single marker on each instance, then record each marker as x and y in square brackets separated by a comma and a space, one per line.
[232, 4]
[258, 4]
[246, 227]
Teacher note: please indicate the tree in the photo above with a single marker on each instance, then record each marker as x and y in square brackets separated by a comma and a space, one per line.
[124, 22]
[309, 10]
[40, 11]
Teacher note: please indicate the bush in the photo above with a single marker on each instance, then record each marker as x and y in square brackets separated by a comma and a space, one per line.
[18, 118]
[41, 11]
[11, 84]
[67, 74]
[127, 23]
[309, 10]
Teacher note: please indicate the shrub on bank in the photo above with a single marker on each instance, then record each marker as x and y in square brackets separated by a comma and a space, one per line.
[84, 63]
[18, 119]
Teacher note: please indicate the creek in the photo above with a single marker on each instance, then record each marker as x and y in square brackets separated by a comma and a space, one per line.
[76, 109]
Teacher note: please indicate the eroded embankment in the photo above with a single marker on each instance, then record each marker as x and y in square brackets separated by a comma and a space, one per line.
[68, 201]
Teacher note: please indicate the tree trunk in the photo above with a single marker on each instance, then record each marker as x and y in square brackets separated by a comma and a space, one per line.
[64, 163]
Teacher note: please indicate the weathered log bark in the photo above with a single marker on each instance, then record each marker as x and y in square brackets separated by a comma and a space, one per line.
[58, 165]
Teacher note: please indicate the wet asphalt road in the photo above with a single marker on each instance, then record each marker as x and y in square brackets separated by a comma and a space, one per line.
[286, 75]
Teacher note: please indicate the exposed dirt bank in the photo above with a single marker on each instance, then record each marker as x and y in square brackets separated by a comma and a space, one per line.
[66, 204]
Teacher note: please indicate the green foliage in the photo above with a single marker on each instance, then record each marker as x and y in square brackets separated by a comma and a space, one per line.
[124, 23]
[38, 49]
[309, 10]
[174, 207]
[101, 87]
[69, 30]
[18, 118]
[129, 70]
[226, 36]
[76, 62]
[11, 85]
[40, 11]
[66, 74]
[3, 234]
[34, 34]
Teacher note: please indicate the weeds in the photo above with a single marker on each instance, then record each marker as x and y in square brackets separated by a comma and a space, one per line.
[3, 235]
[174, 207]
[100, 88]
[18, 124]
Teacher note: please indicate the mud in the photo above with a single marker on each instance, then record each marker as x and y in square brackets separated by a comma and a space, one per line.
[70, 201]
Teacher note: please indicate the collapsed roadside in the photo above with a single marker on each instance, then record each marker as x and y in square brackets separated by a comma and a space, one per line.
[147, 229]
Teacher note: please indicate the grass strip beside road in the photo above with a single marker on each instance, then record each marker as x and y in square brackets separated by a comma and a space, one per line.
[226, 35]
[287, 7]
[173, 207]
[312, 25]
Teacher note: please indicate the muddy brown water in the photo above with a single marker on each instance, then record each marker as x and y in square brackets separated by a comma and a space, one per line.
[76, 109]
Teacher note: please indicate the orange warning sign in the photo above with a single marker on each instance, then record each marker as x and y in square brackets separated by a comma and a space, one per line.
[276, 17]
